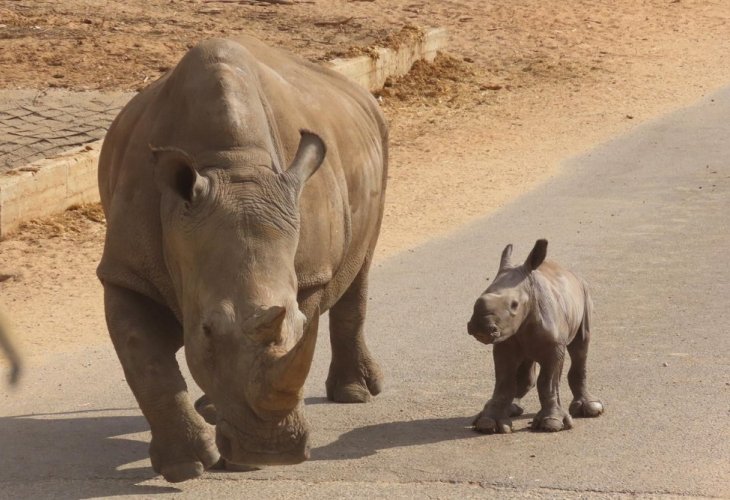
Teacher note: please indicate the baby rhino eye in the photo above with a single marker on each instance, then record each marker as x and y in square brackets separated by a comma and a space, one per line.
[514, 305]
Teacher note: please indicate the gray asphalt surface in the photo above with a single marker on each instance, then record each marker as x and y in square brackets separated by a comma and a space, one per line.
[643, 218]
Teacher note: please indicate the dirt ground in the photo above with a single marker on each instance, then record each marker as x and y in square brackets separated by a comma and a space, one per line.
[524, 85]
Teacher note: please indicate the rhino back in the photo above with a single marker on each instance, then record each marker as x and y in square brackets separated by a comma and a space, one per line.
[562, 297]
[224, 96]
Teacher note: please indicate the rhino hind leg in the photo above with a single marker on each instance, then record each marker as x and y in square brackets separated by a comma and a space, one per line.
[146, 337]
[584, 404]
[353, 375]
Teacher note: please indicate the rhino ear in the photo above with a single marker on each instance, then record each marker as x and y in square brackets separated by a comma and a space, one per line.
[506, 260]
[176, 170]
[537, 255]
[310, 155]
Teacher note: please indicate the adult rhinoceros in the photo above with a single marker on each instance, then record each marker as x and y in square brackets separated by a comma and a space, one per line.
[244, 194]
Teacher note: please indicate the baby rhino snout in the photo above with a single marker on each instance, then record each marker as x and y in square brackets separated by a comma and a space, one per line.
[483, 329]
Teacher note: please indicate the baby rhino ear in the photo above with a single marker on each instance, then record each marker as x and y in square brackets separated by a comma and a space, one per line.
[537, 255]
[506, 261]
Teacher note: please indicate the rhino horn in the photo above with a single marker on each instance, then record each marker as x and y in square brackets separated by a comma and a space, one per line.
[290, 371]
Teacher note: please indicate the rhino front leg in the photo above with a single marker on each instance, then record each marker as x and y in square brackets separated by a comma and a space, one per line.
[584, 404]
[551, 417]
[353, 374]
[495, 417]
[146, 337]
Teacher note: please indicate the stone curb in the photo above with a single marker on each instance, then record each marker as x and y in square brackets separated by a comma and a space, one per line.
[372, 71]
[52, 185]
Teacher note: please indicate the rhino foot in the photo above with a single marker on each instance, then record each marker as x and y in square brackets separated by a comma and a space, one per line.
[552, 420]
[491, 424]
[583, 407]
[182, 459]
[345, 388]
[350, 393]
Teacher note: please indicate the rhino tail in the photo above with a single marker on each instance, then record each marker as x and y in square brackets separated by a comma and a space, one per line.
[585, 326]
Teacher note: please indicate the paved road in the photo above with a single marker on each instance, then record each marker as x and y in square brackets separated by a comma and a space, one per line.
[643, 218]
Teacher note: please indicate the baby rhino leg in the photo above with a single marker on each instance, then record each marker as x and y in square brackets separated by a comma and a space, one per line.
[526, 378]
[551, 417]
[495, 417]
[584, 404]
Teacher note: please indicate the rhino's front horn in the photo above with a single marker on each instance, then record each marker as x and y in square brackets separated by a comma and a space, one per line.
[290, 371]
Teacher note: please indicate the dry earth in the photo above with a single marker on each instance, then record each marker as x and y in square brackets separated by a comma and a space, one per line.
[524, 85]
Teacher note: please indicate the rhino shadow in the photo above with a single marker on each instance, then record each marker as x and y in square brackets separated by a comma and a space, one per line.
[366, 441]
[83, 452]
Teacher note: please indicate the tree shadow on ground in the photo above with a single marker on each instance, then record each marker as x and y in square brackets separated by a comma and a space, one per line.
[84, 451]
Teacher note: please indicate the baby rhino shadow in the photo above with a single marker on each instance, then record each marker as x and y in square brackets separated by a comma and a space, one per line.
[368, 440]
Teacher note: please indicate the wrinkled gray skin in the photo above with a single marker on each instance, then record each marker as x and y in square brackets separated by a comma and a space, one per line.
[244, 194]
[533, 313]
[8, 347]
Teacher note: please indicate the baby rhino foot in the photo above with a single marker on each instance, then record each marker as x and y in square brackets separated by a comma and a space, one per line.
[488, 423]
[182, 457]
[516, 409]
[584, 407]
[345, 387]
[552, 420]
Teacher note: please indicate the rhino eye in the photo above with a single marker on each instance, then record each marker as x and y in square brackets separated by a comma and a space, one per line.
[207, 330]
[514, 305]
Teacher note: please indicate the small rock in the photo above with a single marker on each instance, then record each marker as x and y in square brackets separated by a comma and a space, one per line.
[630, 117]
[665, 364]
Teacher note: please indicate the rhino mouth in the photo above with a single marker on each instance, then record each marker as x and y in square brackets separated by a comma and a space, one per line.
[248, 448]
[486, 334]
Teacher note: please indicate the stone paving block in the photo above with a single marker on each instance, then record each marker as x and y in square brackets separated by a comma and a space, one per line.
[65, 119]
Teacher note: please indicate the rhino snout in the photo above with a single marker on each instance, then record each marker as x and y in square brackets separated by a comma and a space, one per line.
[287, 447]
[484, 331]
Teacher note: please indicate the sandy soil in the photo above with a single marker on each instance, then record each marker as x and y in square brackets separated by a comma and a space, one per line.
[524, 85]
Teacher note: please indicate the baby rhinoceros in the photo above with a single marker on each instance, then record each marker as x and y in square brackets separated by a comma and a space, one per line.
[532, 313]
